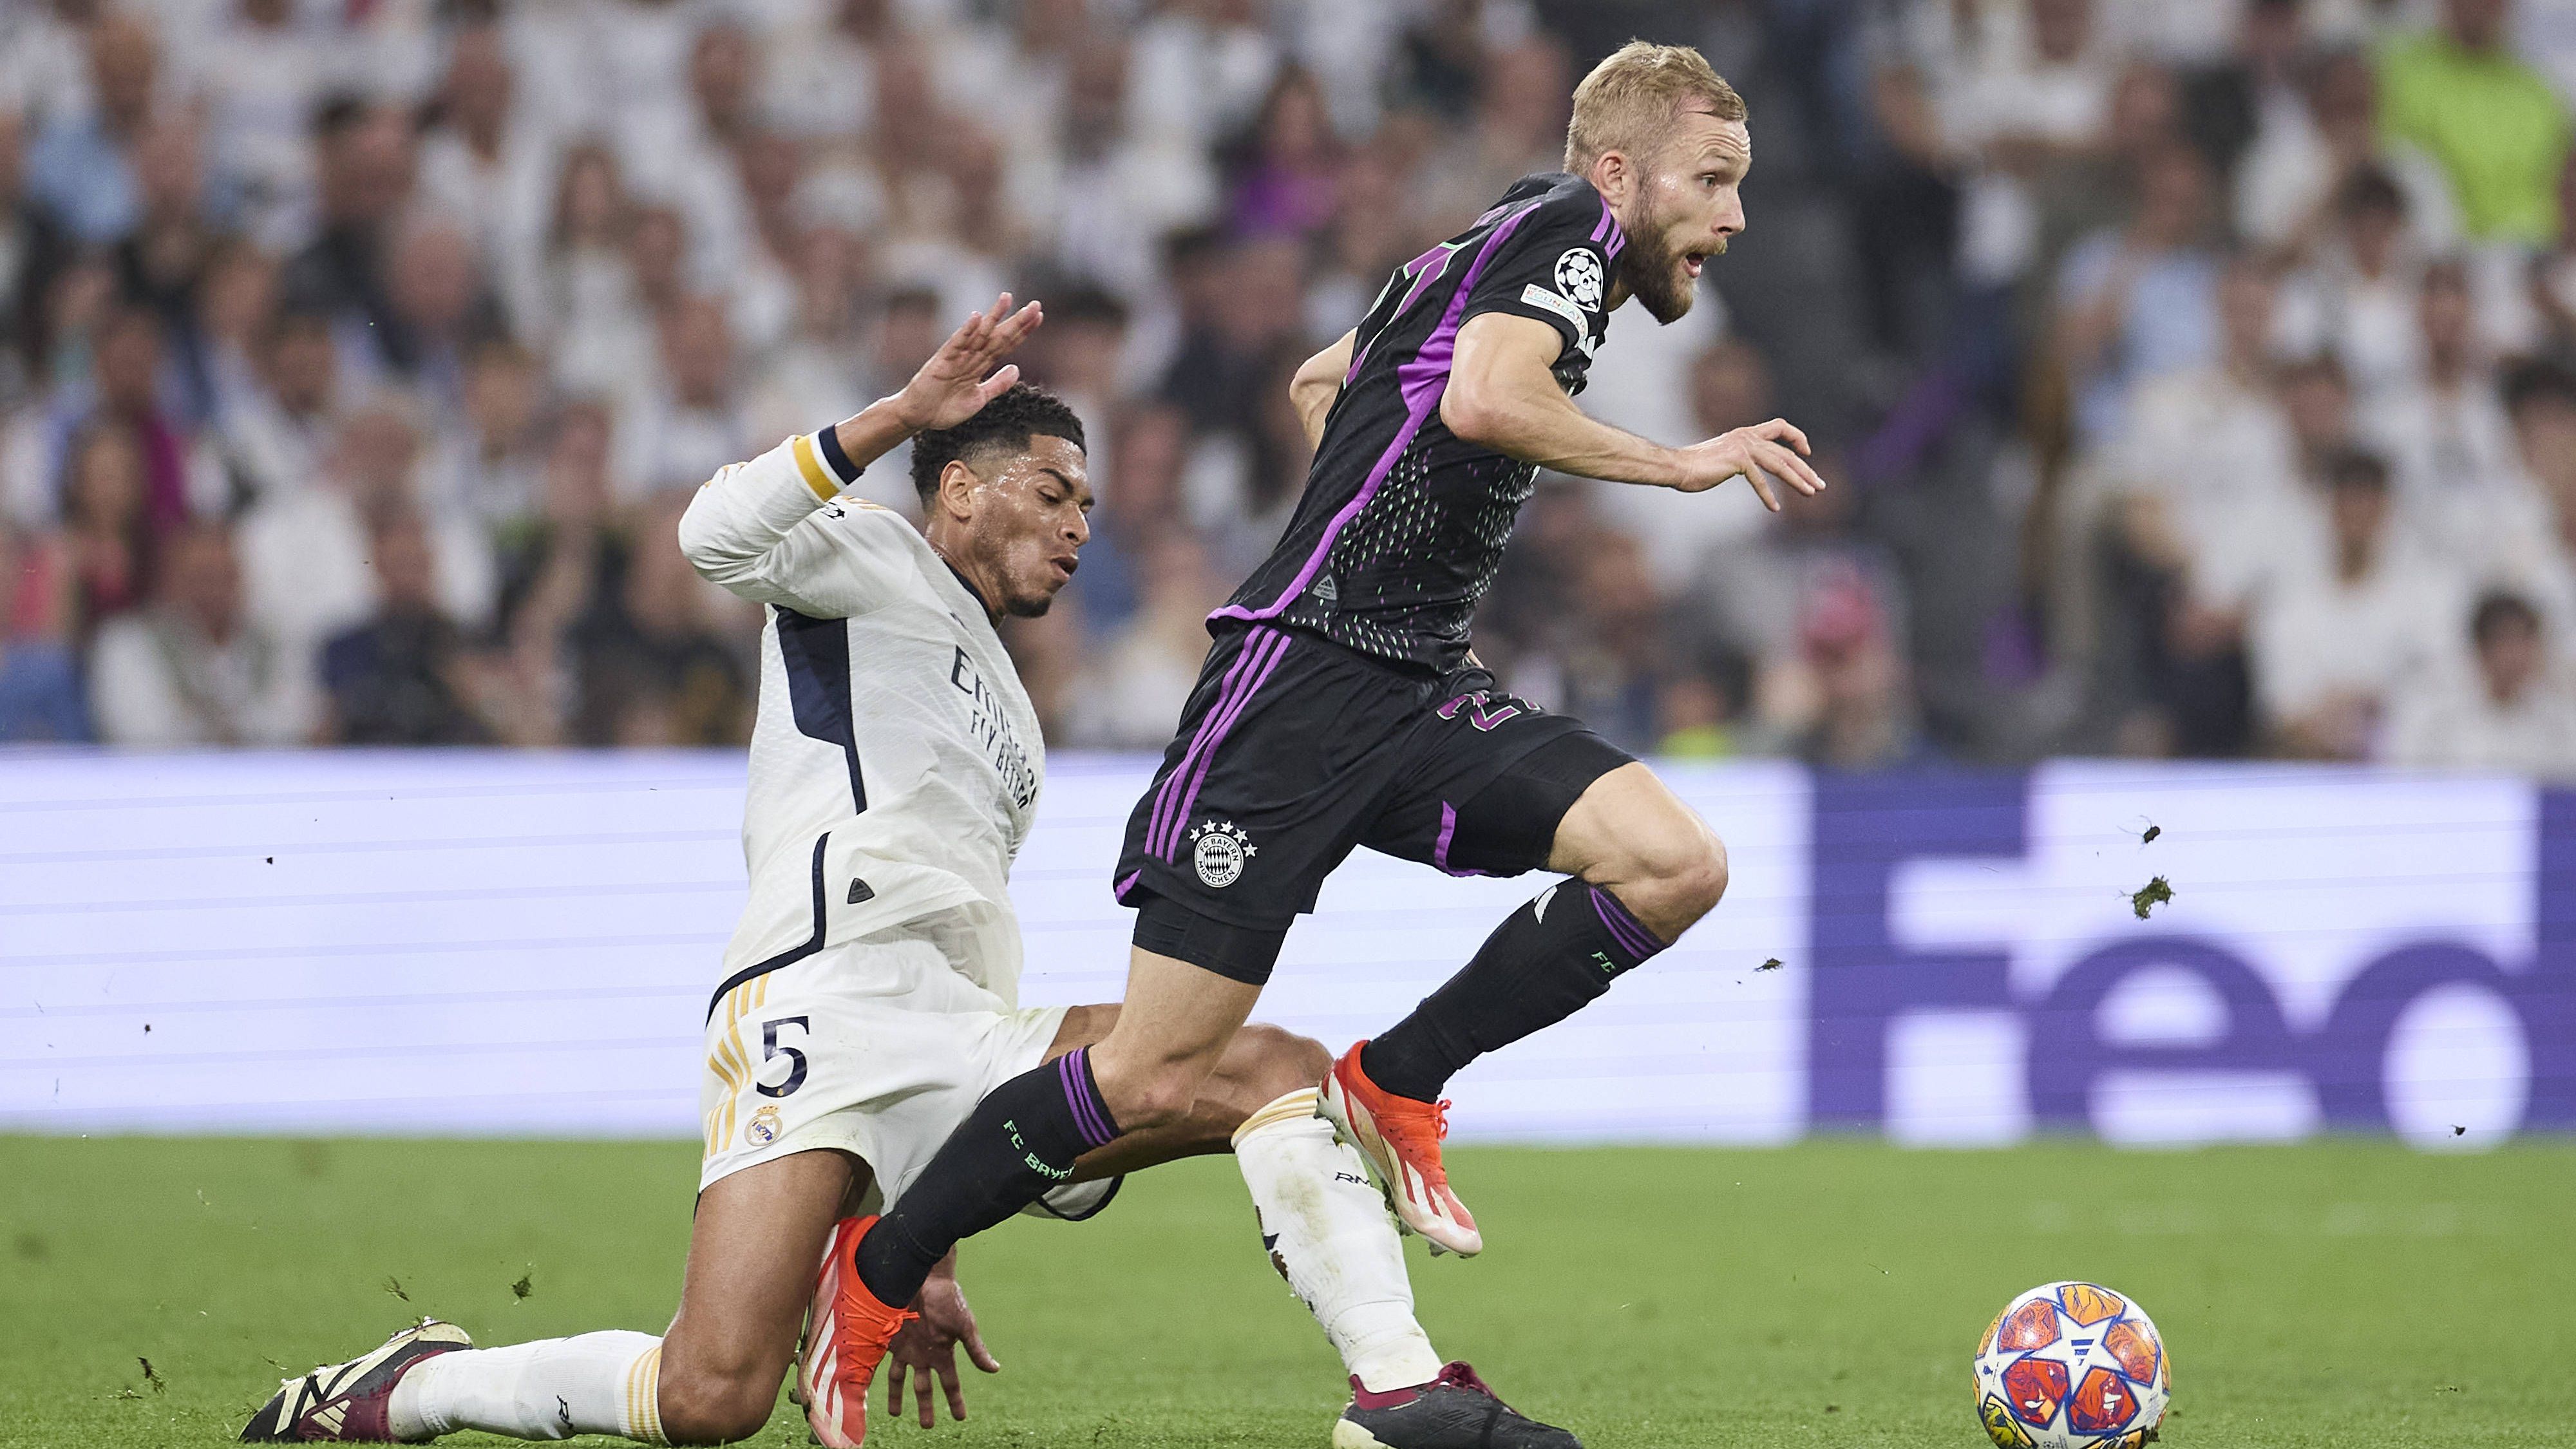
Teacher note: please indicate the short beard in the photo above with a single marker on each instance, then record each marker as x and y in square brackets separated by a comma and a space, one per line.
[1649, 268]
[1029, 608]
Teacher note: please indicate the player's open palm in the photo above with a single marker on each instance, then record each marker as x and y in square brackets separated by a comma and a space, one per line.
[927, 1346]
[960, 378]
[1762, 452]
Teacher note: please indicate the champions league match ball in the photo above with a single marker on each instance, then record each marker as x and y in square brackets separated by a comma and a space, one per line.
[2072, 1366]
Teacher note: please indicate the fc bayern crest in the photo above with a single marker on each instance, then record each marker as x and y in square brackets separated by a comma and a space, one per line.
[1221, 849]
[1578, 276]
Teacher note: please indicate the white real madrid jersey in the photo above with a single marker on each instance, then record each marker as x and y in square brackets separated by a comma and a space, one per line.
[896, 760]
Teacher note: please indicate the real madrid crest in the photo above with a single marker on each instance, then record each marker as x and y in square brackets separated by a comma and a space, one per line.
[1221, 849]
[762, 1129]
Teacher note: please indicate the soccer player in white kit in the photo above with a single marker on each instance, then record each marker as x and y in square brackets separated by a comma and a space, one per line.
[870, 999]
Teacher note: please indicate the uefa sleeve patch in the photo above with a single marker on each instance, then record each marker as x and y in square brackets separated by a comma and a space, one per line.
[1578, 276]
[1537, 296]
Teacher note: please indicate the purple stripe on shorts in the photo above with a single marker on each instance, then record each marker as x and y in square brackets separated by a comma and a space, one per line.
[1440, 847]
[1172, 783]
[1208, 757]
[1120, 890]
[1624, 928]
[1090, 1115]
[1421, 380]
[1240, 680]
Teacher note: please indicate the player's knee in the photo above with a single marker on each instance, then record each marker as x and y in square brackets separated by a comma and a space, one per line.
[1277, 1061]
[1680, 876]
[1154, 1096]
[714, 1407]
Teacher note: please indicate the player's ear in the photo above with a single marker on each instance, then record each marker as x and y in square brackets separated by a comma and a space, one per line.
[956, 496]
[1614, 176]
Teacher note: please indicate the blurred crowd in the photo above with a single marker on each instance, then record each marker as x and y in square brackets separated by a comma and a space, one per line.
[2195, 378]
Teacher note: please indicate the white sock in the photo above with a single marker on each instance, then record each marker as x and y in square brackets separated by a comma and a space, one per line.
[1331, 1237]
[554, 1388]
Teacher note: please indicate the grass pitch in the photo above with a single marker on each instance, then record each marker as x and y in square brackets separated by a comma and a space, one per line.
[1831, 1294]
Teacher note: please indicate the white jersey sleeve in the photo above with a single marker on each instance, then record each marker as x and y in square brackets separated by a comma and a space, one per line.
[752, 529]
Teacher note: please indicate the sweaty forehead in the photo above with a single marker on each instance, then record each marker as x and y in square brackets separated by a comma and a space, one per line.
[1045, 454]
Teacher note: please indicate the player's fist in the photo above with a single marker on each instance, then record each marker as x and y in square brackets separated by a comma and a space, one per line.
[959, 378]
[1761, 453]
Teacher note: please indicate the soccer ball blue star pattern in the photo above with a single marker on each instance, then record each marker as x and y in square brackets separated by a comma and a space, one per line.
[2072, 1366]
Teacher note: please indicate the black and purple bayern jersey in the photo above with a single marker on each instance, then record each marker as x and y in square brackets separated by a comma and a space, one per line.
[1403, 524]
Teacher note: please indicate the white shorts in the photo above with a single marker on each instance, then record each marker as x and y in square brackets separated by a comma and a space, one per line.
[877, 1048]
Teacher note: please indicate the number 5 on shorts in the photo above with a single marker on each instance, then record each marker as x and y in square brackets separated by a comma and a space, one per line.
[770, 1051]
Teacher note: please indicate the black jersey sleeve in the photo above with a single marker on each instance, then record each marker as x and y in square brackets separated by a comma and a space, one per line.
[1555, 267]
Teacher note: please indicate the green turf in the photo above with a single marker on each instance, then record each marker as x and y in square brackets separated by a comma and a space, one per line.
[1830, 1294]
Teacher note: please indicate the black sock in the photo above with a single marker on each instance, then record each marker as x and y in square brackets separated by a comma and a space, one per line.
[1541, 965]
[1018, 1142]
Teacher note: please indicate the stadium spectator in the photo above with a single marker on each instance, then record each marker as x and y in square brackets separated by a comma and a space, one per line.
[32, 247]
[40, 687]
[487, 469]
[1137, 678]
[305, 553]
[2302, 158]
[81, 167]
[2444, 431]
[682, 422]
[2142, 300]
[2515, 713]
[111, 543]
[363, 169]
[396, 679]
[2357, 295]
[2492, 121]
[2331, 647]
[656, 668]
[588, 254]
[194, 669]
[275, 433]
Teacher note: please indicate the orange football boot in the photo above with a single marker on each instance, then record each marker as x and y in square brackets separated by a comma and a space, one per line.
[1401, 1139]
[847, 1332]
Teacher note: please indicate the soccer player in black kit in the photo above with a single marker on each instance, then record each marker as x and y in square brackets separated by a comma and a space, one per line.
[1341, 706]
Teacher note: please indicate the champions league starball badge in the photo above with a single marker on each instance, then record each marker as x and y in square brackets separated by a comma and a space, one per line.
[1220, 852]
[1578, 276]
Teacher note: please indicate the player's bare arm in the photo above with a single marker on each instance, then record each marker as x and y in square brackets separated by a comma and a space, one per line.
[1503, 396]
[1318, 382]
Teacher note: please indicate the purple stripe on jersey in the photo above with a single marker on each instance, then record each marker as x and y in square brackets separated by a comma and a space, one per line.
[1208, 757]
[1172, 783]
[1440, 847]
[1608, 235]
[1090, 1114]
[1421, 380]
[1239, 681]
[1624, 928]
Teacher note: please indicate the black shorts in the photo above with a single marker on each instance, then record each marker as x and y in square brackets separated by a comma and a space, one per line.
[1294, 749]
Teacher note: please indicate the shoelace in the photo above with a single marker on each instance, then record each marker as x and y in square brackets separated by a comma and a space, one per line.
[846, 1336]
[1460, 1375]
[1408, 1127]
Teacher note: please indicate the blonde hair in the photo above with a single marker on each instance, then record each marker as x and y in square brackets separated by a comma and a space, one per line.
[1629, 101]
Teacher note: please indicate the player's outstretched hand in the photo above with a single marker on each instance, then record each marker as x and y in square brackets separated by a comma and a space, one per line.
[959, 378]
[927, 1347]
[1761, 452]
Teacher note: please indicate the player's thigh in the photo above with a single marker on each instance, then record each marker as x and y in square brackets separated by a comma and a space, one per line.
[1629, 827]
[753, 1247]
